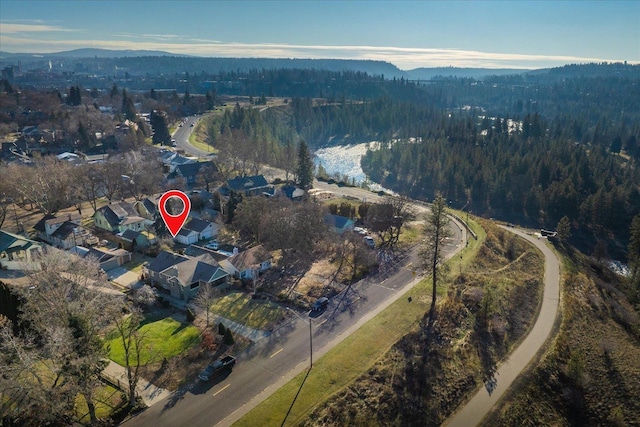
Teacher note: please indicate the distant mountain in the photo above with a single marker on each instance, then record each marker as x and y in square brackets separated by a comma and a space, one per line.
[87, 53]
[475, 73]
[107, 53]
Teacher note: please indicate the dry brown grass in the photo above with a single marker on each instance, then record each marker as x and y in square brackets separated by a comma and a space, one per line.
[430, 371]
[591, 375]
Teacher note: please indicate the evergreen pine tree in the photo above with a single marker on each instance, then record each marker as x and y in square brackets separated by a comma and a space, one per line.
[305, 166]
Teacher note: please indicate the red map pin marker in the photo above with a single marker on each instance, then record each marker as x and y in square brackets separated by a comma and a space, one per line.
[174, 222]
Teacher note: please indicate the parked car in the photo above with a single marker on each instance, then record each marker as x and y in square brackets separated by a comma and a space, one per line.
[320, 304]
[218, 367]
[370, 242]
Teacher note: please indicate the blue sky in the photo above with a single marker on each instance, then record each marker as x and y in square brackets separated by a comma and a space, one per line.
[410, 34]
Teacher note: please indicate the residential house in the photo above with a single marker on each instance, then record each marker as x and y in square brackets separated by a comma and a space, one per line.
[189, 171]
[246, 264]
[63, 231]
[17, 252]
[160, 263]
[108, 259]
[176, 161]
[147, 208]
[120, 216]
[247, 186]
[182, 277]
[137, 240]
[195, 230]
[292, 192]
[339, 224]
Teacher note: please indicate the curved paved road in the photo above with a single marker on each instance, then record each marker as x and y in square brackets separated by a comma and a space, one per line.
[481, 403]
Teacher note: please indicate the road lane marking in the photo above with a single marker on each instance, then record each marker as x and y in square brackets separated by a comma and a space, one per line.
[221, 390]
[276, 352]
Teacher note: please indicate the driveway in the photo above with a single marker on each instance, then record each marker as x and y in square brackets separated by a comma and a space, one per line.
[123, 277]
[474, 411]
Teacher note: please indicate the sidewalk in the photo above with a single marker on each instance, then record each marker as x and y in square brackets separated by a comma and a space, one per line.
[149, 393]
[237, 328]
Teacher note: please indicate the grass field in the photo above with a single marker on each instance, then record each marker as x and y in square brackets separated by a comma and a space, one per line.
[241, 308]
[107, 400]
[163, 338]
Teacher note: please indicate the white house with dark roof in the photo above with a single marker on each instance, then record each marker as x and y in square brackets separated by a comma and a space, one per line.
[195, 230]
[63, 231]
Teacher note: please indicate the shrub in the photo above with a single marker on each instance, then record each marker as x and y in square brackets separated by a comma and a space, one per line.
[191, 316]
[228, 337]
[221, 329]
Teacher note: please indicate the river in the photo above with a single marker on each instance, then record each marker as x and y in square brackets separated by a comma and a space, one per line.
[344, 160]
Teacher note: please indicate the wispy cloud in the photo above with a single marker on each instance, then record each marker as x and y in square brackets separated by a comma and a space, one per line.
[9, 28]
[40, 38]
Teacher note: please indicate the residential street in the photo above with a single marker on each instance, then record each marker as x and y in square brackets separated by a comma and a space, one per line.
[486, 397]
[271, 362]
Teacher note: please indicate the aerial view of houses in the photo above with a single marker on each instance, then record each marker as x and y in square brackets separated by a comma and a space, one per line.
[319, 213]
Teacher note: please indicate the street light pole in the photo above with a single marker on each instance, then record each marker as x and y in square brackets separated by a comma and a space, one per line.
[310, 338]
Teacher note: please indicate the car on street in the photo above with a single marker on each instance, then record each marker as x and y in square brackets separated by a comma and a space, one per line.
[320, 304]
[218, 367]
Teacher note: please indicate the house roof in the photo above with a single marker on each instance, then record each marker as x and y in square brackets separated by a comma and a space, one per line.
[181, 160]
[149, 205]
[247, 183]
[164, 260]
[130, 235]
[191, 169]
[10, 242]
[184, 231]
[292, 192]
[337, 221]
[167, 156]
[115, 213]
[250, 258]
[50, 220]
[65, 230]
[197, 225]
[194, 270]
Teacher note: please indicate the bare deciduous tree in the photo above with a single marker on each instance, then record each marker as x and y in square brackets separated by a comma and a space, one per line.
[60, 353]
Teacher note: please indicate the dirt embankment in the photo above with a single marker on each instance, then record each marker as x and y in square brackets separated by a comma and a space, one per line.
[429, 372]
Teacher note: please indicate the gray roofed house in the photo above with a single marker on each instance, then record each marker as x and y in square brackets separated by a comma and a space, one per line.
[247, 185]
[190, 171]
[182, 277]
[243, 264]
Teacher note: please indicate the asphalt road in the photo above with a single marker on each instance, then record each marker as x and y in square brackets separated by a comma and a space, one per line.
[181, 135]
[271, 362]
[472, 413]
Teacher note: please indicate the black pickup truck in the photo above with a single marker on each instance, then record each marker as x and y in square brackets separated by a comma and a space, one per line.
[219, 366]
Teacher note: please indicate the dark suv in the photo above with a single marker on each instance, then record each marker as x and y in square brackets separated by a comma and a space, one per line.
[320, 304]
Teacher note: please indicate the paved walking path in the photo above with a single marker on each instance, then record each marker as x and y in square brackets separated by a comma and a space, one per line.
[149, 392]
[474, 411]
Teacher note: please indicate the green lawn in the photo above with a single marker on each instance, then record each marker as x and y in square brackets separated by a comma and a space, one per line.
[353, 356]
[239, 307]
[107, 400]
[163, 338]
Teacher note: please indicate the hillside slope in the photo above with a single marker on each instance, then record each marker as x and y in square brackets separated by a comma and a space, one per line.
[591, 375]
